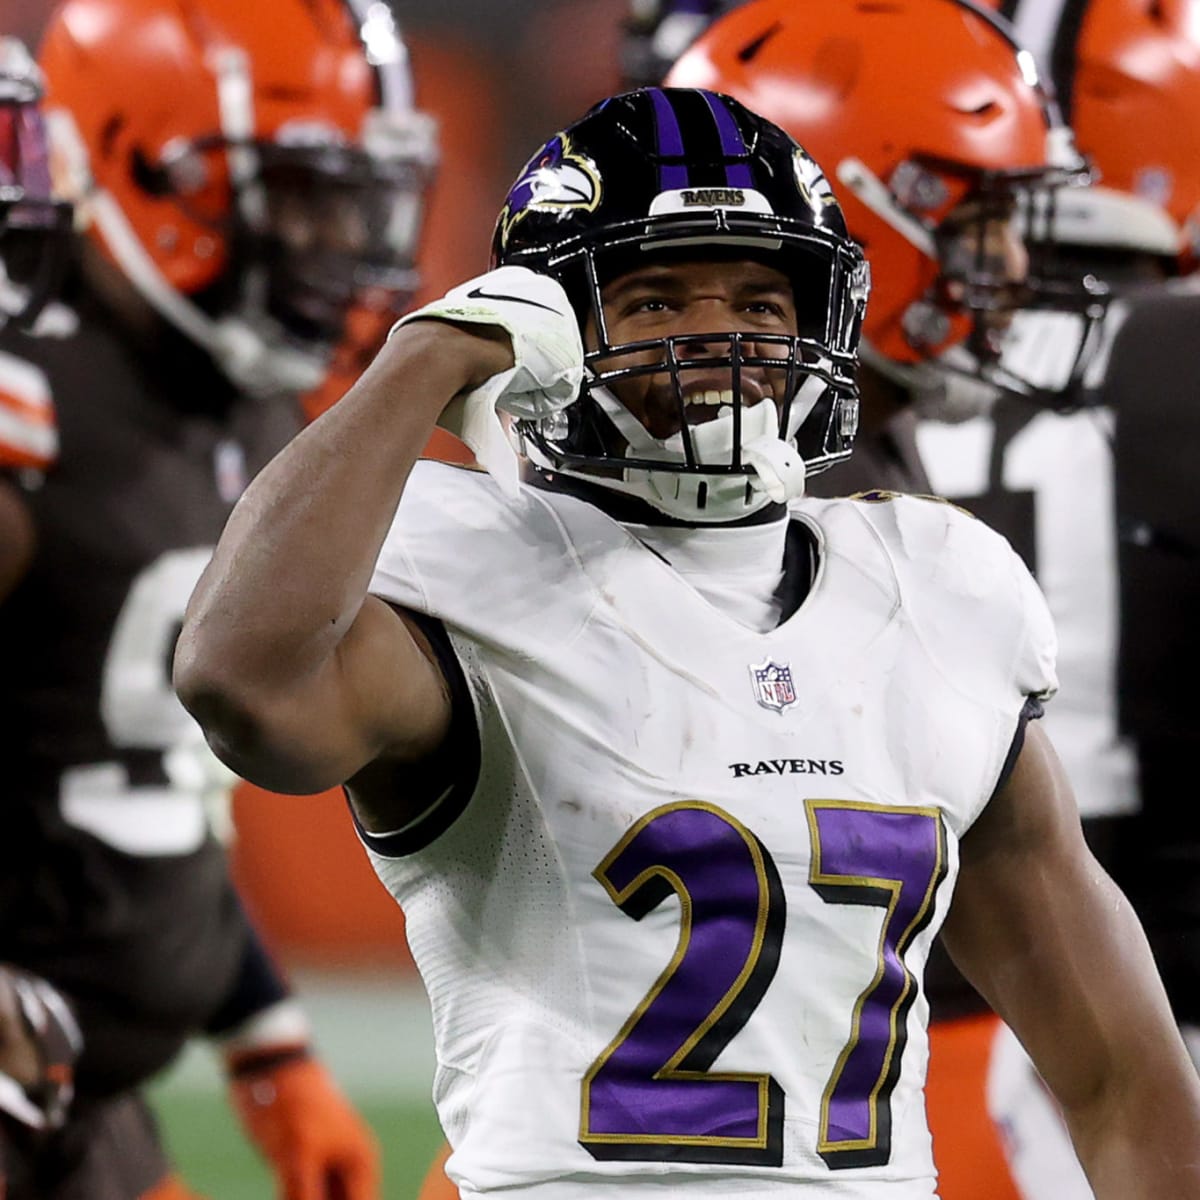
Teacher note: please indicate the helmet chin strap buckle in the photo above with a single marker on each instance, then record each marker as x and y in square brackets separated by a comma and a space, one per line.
[778, 467]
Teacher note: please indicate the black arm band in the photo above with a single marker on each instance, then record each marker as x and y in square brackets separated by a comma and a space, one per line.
[447, 778]
[1032, 711]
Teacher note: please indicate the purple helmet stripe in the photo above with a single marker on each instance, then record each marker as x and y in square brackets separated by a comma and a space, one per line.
[670, 141]
[733, 145]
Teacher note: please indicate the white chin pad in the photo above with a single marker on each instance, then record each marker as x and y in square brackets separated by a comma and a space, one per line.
[712, 441]
[778, 468]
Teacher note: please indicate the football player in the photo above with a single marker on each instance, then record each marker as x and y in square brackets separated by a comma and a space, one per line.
[241, 177]
[35, 1068]
[976, 108]
[1044, 476]
[1100, 498]
[673, 770]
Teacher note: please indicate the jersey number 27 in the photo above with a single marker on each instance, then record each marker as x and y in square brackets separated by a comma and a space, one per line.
[651, 1096]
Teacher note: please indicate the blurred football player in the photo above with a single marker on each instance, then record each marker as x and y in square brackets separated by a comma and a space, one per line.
[1045, 478]
[242, 176]
[1100, 498]
[672, 768]
[972, 132]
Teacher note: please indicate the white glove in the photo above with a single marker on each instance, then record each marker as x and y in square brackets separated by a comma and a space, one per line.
[533, 309]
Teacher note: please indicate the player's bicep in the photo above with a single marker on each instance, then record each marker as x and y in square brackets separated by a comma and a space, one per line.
[1044, 934]
[379, 694]
[392, 683]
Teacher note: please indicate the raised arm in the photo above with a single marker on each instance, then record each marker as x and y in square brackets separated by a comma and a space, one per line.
[1049, 940]
[298, 676]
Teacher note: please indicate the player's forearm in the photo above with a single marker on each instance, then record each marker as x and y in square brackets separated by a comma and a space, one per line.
[291, 571]
[1050, 941]
[1140, 1139]
[1136, 1129]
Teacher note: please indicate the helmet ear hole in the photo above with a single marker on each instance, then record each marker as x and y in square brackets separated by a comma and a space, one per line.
[151, 179]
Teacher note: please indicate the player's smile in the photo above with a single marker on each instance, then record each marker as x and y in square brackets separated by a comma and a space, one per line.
[705, 399]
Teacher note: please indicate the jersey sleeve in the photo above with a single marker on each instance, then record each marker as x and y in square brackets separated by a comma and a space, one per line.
[981, 615]
[428, 560]
[1004, 609]
[502, 572]
[28, 430]
[1036, 672]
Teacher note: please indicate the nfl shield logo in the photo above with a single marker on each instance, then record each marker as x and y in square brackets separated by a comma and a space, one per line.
[773, 685]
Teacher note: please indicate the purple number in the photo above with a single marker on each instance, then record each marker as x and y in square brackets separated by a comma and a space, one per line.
[893, 858]
[650, 1095]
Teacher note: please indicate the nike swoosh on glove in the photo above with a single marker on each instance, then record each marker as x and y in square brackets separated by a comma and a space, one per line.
[534, 311]
[318, 1147]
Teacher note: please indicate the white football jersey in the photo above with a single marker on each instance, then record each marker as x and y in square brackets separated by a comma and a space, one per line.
[676, 937]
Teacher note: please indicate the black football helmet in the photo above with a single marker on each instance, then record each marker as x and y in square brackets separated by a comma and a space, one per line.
[662, 173]
[34, 226]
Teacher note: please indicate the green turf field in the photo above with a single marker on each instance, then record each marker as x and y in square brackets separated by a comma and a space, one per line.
[374, 1034]
[217, 1161]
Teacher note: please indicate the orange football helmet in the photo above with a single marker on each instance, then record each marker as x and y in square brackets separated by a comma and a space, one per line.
[909, 151]
[1127, 74]
[252, 168]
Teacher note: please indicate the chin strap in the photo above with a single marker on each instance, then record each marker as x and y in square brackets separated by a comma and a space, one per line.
[678, 493]
[948, 388]
[776, 468]
[779, 470]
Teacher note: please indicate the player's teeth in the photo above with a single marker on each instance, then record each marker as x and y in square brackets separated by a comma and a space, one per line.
[725, 412]
[711, 397]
